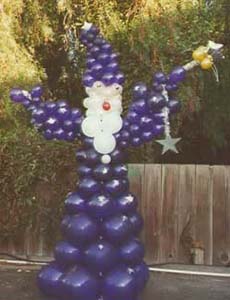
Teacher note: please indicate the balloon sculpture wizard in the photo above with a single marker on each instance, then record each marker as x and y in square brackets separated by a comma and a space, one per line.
[101, 257]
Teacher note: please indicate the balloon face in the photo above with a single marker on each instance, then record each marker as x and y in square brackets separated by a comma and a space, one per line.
[101, 257]
[49, 280]
[81, 229]
[117, 229]
[67, 255]
[80, 284]
[119, 284]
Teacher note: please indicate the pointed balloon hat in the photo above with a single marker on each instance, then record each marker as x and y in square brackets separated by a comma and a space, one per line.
[102, 62]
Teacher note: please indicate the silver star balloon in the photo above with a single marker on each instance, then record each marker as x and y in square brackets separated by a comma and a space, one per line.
[169, 144]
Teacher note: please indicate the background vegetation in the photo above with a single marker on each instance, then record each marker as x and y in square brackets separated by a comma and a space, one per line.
[150, 35]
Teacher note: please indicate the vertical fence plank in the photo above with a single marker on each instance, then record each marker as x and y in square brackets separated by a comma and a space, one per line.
[203, 211]
[152, 212]
[169, 233]
[227, 214]
[186, 222]
[219, 214]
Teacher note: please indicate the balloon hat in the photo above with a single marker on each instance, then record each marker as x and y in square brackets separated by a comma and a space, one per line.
[100, 256]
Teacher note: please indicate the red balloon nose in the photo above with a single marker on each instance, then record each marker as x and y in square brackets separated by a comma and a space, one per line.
[106, 105]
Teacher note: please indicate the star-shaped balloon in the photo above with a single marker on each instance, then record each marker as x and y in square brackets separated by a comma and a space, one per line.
[169, 144]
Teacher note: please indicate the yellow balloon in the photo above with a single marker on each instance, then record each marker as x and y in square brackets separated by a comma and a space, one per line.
[200, 54]
[207, 63]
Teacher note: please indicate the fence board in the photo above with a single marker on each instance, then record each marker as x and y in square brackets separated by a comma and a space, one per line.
[169, 233]
[152, 193]
[186, 222]
[203, 211]
[219, 214]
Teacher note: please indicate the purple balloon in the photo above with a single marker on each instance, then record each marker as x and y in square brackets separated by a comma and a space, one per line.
[112, 67]
[88, 80]
[104, 58]
[133, 117]
[159, 118]
[68, 125]
[158, 129]
[94, 51]
[136, 141]
[160, 77]
[62, 113]
[146, 123]
[50, 107]
[108, 78]
[136, 221]
[36, 92]
[59, 134]
[18, 95]
[52, 123]
[107, 48]
[171, 87]
[119, 78]
[67, 255]
[139, 106]
[157, 101]
[75, 203]
[157, 87]
[84, 171]
[117, 156]
[117, 229]
[120, 171]
[90, 62]
[126, 203]
[174, 106]
[120, 284]
[48, 134]
[102, 172]
[97, 70]
[140, 90]
[116, 187]
[81, 229]
[39, 115]
[101, 257]
[177, 75]
[101, 206]
[88, 187]
[124, 135]
[70, 136]
[132, 252]
[80, 284]
[49, 279]
[135, 130]
[147, 136]
[141, 275]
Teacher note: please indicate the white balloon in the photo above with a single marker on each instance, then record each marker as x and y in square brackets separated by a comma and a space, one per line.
[111, 122]
[91, 126]
[106, 159]
[104, 143]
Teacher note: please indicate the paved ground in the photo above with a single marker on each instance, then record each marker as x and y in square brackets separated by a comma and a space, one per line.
[19, 284]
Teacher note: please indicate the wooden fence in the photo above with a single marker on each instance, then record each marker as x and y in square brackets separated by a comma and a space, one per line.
[186, 209]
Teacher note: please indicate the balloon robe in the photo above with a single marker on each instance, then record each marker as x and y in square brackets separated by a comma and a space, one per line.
[100, 256]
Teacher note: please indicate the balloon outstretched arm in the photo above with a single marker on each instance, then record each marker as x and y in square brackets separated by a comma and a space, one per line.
[56, 120]
[150, 110]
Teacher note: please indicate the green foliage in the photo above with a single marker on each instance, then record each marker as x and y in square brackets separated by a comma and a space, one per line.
[150, 35]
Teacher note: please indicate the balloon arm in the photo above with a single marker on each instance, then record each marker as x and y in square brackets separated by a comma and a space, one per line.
[55, 120]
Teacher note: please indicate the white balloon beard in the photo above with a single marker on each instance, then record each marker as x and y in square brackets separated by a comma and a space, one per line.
[103, 116]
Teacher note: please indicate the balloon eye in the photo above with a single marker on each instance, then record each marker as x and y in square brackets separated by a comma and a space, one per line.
[106, 105]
